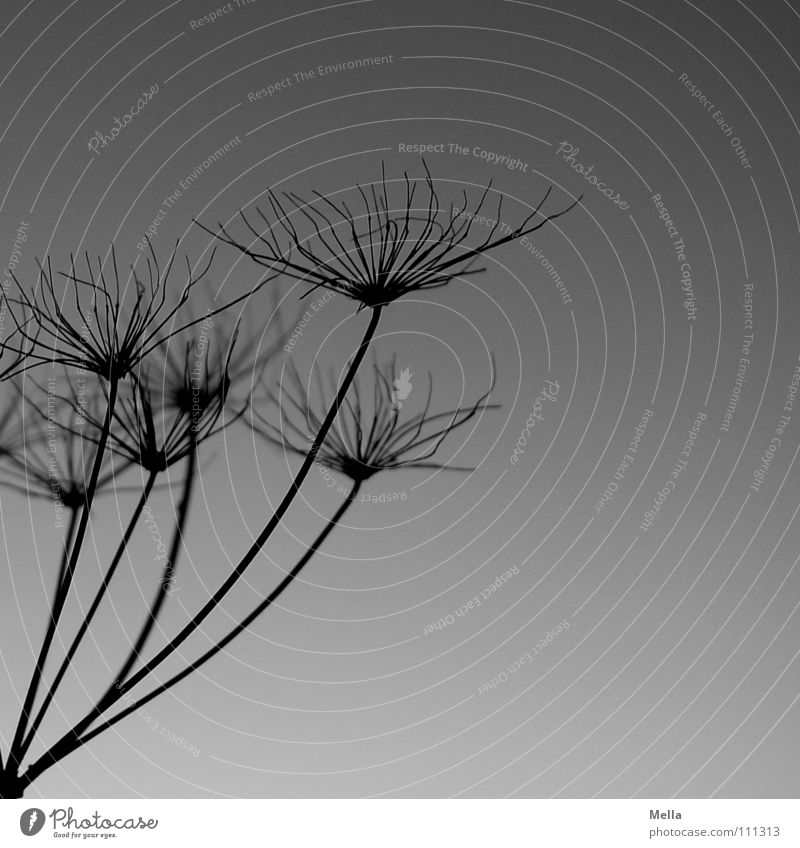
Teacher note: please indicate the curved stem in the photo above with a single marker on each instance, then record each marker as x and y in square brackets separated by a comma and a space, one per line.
[239, 628]
[70, 535]
[71, 740]
[66, 583]
[73, 648]
[167, 575]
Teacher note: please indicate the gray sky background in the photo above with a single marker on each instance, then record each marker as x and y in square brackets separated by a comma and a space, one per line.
[678, 672]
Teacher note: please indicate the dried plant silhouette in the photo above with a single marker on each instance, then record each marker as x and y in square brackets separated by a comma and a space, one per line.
[375, 441]
[147, 379]
[369, 435]
[383, 248]
[34, 467]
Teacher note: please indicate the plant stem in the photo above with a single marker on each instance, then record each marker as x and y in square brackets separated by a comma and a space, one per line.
[71, 740]
[70, 535]
[66, 583]
[239, 628]
[11, 786]
[73, 648]
[168, 572]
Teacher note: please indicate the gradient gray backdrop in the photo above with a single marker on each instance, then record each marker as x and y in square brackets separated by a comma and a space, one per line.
[678, 674]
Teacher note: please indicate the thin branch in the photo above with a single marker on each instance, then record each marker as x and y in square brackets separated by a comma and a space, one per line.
[66, 583]
[168, 574]
[239, 628]
[71, 740]
[87, 621]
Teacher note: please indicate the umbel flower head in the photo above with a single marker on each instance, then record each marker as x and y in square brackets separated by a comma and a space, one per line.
[380, 248]
[13, 350]
[12, 431]
[371, 434]
[53, 456]
[176, 403]
[100, 322]
[211, 362]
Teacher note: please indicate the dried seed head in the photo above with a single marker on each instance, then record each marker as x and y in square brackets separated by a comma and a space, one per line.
[56, 445]
[371, 434]
[99, 321]
[384, 247]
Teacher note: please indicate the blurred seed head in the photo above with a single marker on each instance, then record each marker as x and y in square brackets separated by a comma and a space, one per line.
[371, 433]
